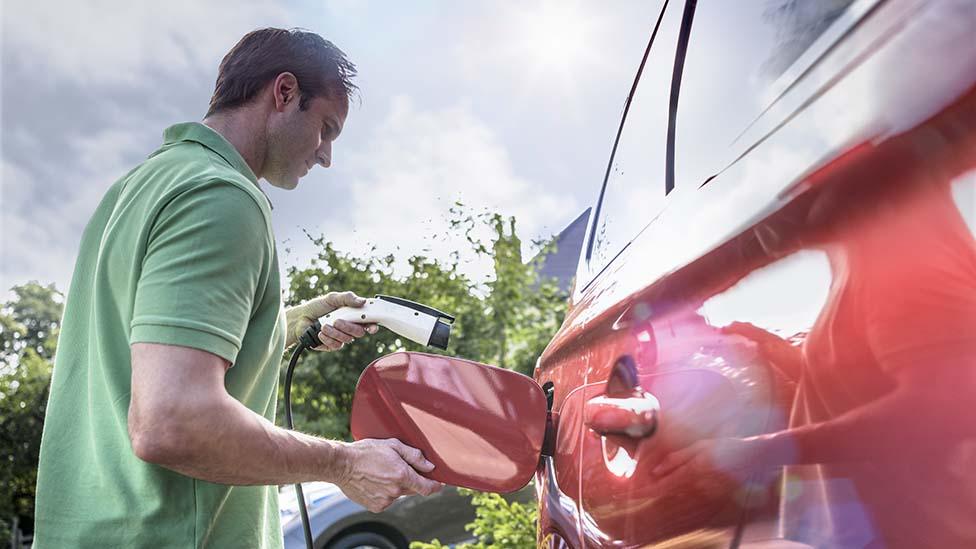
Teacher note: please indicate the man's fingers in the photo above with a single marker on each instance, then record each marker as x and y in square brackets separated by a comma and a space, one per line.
[335, 333]
[379, 506]
[349, 328]
[673, 461]
[430, 486]
[739, 328]
[334, 337]
[418, 484]
[413, 456]
[750, 331]
[328, 344]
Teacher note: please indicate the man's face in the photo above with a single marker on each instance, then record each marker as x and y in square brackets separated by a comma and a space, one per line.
[298, 140]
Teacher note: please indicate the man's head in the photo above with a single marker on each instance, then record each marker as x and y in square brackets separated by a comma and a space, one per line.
[292, 85]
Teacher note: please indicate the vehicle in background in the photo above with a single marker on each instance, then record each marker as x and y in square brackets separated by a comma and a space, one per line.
[338, 523]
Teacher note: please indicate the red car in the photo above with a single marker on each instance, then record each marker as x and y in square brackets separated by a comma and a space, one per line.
[772, 337]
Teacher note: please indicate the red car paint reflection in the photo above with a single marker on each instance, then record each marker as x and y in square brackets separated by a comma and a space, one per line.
[823, 270]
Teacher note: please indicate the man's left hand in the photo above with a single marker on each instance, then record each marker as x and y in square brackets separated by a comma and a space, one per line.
[733, 457]
[334, 337]
[713, 473]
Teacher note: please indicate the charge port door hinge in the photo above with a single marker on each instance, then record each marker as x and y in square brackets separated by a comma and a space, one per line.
[549, 441]
[552, 420]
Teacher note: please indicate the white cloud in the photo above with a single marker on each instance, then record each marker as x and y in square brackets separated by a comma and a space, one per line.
[84, 58]
[555, 54]
[417, 164]
[39, 238]
[121, 43]
[105, 70]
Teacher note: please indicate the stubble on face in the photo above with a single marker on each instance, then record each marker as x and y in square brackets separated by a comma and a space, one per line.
[293, 142]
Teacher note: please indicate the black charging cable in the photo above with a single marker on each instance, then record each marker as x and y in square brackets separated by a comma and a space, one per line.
[308, 340]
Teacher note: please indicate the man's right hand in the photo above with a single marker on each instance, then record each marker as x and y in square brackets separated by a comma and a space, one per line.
[787, 358]
[377, 472]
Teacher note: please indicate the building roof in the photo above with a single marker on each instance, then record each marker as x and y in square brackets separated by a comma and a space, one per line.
[561, 263]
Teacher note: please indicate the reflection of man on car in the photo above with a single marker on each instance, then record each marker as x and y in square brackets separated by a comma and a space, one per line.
[881, 447]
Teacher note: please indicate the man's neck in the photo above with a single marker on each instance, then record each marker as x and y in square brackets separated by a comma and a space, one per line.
[245, 132]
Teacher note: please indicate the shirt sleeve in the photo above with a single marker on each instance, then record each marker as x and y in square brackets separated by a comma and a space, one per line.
[206, 260]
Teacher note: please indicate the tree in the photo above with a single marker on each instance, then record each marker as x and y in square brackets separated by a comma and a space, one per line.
[28, 335]
[30, 321]
[506, 321]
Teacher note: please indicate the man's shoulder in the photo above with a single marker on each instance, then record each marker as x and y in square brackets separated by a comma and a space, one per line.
[192, 162]
[189, 167]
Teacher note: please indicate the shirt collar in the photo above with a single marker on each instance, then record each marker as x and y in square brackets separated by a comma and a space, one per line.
[211, 139]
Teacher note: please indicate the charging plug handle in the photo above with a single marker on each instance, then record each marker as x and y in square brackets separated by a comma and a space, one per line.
[417, 307]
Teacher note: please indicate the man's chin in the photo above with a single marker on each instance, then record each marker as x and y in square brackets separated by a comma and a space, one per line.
[286, 183]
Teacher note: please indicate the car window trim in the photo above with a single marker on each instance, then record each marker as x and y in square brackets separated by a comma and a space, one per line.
[793, 77]
[679, 66]
[684, 32]
[620, 129]
[832, 36]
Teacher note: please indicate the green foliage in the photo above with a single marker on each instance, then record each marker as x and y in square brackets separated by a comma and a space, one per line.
[497, 523]
[30, 321]
[28, 334]
[506, 321]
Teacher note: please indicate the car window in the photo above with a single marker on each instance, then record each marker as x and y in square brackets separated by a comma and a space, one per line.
[634, 189]
[740, 56]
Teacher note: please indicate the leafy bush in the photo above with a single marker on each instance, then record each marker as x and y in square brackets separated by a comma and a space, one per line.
[497, 523]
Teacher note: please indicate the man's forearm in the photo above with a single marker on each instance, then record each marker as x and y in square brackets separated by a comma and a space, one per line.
[903, 424]
[225, 442]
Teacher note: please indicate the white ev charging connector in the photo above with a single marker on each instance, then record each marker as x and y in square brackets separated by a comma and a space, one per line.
[414, 321]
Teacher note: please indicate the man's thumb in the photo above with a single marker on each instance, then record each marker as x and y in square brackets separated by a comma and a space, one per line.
[344, 299]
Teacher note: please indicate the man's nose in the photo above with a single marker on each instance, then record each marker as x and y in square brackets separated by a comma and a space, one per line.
[324, 155]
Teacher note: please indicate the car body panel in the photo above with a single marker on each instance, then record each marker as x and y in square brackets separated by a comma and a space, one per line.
[708, 238]
[859, 139]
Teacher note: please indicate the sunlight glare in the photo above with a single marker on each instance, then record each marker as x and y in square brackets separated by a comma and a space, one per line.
[558, 37]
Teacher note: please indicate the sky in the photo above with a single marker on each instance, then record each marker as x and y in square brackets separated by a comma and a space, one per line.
[505, 106]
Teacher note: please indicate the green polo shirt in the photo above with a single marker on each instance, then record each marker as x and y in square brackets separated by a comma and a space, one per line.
[179, 251]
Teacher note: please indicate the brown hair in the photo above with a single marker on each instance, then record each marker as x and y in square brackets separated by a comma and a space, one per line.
[321, 68]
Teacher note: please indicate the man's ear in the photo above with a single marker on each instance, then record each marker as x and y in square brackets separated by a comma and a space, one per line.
[284, 90]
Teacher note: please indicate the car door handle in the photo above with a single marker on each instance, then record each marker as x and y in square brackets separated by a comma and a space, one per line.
[633, 415]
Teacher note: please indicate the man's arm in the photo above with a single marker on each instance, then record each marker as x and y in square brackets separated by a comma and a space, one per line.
[182, 418]
[926, 414]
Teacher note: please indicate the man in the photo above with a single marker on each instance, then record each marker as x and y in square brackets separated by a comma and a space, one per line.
[159, 430]
[881, 445]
